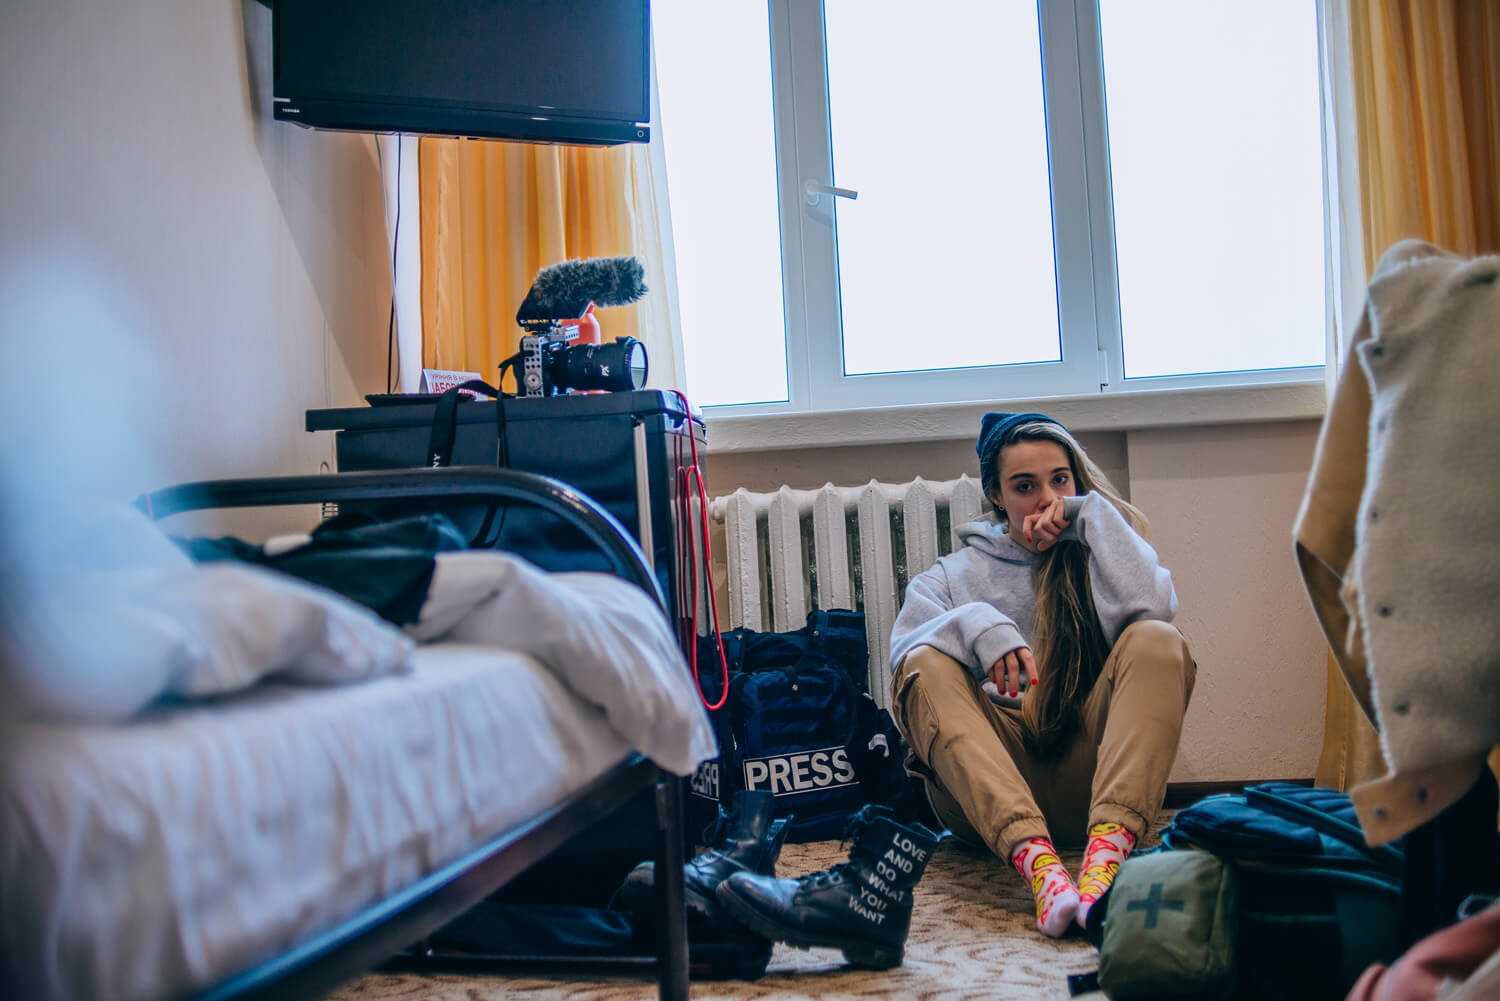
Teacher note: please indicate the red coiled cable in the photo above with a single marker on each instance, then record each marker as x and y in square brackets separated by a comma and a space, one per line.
[689, 477]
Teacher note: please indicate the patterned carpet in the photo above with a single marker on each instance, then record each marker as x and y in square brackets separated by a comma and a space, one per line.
[973, 935]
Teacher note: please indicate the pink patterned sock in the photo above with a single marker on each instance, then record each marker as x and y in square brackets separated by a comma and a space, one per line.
[1108, 846]
[1056, 896]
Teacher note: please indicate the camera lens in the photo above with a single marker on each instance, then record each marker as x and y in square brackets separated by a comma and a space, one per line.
[636, 362]
[619, 365]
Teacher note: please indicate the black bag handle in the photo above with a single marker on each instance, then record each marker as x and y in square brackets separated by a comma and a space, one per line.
[1281, 800]
[445, 420]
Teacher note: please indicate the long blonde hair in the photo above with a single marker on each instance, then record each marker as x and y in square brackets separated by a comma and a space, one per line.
[1067, 642]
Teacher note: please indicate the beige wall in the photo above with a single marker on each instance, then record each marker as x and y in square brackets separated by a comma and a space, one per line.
[1221, 500]
[192, 274]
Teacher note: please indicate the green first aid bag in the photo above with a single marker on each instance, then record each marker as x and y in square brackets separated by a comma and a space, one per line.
[1170, 929]
[1269, 894]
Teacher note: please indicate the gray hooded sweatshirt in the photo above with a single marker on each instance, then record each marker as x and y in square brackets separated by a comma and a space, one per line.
[977, 604]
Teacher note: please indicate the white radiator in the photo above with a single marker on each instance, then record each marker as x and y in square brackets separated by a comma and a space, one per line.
[792, 551]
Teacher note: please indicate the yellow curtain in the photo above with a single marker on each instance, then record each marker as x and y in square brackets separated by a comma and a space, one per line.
[496, 213]
[1426, 94]
[1428, 109]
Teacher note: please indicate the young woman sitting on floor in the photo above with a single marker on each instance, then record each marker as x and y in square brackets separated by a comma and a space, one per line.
[1038, 681]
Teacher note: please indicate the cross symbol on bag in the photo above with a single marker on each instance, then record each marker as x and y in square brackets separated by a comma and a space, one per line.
[1153, 905]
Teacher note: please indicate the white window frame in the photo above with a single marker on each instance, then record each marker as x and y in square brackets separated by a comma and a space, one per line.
[1083, 233]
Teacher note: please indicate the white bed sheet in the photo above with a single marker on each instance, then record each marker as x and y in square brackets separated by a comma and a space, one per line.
[144, 860]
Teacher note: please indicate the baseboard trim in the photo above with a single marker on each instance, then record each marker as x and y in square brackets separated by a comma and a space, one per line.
[1180, 794]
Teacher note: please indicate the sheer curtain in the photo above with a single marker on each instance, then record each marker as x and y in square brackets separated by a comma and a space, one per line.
[1414, 95]
[396, 156]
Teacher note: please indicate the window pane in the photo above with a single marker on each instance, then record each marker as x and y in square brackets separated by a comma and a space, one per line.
[1216, 165]
[713, 65]
[945, 260]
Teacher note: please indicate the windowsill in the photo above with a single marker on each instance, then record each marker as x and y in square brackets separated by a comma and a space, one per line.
[1104, 412]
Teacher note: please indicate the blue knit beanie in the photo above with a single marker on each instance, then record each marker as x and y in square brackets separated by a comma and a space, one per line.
[993, 428]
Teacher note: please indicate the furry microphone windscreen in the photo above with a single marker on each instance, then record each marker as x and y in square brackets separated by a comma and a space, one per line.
[565, 290]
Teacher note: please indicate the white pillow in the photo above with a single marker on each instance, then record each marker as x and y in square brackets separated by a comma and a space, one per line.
[102, 645]
[71, 652]
[75, 641]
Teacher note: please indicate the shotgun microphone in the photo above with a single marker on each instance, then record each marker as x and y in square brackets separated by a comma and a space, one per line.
[564, 291]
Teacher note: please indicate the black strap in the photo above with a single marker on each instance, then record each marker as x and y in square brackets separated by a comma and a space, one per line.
[440, 449]
[502, 441]
[445, 421]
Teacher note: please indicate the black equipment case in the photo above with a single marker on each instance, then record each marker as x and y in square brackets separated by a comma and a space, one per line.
[625, 450]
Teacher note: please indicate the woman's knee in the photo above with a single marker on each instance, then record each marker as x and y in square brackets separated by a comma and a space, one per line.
[1154, 638]
[1154, 645]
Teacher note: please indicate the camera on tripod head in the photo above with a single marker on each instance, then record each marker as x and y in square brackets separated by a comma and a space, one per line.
[560, 301]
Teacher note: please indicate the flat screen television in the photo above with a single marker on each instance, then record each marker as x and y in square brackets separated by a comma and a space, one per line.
[555, 71]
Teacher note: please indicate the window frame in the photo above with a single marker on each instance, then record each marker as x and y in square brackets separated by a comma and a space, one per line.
[1083, 235]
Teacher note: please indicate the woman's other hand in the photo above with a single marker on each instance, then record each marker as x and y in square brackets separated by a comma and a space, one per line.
[1043, 526]
[1006, 672]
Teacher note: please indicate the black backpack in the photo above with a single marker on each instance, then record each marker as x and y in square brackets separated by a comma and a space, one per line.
[1301, 907]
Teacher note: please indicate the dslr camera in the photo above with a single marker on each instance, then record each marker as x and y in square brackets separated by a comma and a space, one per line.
[550, 364]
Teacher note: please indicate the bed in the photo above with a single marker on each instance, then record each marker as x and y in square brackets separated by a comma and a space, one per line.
[273, 839]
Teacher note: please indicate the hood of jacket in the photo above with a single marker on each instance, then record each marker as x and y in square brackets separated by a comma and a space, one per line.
[988, 536]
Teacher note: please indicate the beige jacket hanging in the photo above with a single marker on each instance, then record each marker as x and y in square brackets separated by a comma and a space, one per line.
[1398, 537]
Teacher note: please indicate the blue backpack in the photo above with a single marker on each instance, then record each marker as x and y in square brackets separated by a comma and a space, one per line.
[798, 720]
[1300, 906]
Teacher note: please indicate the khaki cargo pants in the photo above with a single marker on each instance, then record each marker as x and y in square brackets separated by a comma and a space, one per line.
[985, 786]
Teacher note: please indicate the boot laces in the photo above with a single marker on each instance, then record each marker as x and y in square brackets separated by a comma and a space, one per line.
[716, 829]
[826, 877]
[854, 828]
[857, 824]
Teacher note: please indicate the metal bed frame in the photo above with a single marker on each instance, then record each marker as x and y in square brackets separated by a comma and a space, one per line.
[309, 971]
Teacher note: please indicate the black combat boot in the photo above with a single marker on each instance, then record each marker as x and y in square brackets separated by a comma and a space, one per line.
[862, 906]
[743, 839]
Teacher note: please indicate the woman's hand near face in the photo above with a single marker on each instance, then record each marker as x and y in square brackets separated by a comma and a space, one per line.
[1044, 525]
[1006, 672]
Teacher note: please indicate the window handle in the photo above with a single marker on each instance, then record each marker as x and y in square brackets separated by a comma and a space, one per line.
[815, 191]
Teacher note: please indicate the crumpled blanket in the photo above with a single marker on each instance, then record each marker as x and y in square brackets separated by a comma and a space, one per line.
[600, 635]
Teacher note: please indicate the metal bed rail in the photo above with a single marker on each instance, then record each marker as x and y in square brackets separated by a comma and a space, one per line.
[554, 496]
